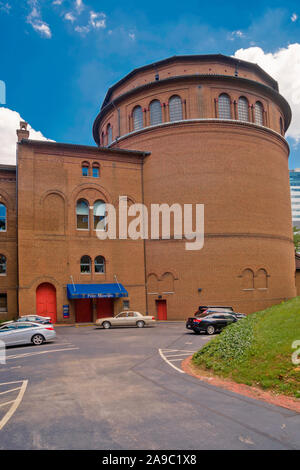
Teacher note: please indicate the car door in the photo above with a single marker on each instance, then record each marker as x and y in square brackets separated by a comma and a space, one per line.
[219, 321]
[25, 332]
[10, 336]
[120, 319]
[131, 318]
[7, 334]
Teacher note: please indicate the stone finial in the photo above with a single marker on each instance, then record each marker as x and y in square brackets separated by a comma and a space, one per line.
[23, 133]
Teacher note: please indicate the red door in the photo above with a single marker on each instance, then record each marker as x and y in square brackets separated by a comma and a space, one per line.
[105, 308]
[46, 301]
[161, 309]
[84, 310]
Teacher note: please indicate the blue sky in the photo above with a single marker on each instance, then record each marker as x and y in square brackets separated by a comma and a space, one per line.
[58, 57]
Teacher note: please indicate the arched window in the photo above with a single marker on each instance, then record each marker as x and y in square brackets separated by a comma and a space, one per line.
[224, 106]
[261, 279]
[2, 218]
[99, 264]
[96, 170]
[85, 265]
[2, 265]
[259, 113]
[247, 279]
[281, 126]
[243, 109]
[137, 116]
[99, 215]
[82, 215]
[175, 108]
[109, 134]
[85, 168]
[102, 139]
[155, 112]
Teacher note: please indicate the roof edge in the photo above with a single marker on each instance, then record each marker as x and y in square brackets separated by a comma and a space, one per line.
[45, 143]
[204, 57]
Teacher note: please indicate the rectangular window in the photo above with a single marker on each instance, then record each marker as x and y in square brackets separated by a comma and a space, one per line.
[82, 222]
[126, 304]
[3, 303]
[99, 222]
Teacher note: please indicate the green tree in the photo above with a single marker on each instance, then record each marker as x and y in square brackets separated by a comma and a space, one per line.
[296, 232]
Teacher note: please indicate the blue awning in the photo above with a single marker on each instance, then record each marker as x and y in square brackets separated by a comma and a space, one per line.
[96, 291]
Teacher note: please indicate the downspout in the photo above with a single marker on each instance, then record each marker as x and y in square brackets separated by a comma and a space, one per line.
[17, 234]
[144, 241]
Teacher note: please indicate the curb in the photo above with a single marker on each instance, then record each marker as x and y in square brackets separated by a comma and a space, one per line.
[246, 390]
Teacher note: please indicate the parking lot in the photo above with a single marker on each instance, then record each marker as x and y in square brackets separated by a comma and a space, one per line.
[124, 389]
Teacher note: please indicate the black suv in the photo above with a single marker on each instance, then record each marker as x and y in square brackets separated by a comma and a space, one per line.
[210, 322]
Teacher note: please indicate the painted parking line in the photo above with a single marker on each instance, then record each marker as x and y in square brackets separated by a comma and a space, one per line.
[178, 354]
[13, 403]
[44, 345]
[49, 351]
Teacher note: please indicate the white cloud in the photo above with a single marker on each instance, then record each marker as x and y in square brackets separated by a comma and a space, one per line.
[132, 36]
[69, 17]
[79, 5]
[294, 17]
[5, 6]
[57, 2]
[97, 20]
[236, 34]
[284, 66]
[9, 123]
[35, 20]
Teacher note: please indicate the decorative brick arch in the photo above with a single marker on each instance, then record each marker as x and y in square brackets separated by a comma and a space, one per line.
[79, 192]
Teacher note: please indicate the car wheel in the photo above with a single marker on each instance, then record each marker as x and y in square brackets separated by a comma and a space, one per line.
[210, 330]
[37, 340]
[106, 325]
[140, 324]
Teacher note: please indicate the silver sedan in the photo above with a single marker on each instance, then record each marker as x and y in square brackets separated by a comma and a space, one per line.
[16, 333]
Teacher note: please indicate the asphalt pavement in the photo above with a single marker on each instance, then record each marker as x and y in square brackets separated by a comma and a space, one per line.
[124, 389]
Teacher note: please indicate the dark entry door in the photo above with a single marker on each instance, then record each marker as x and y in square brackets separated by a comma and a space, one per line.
[105, 308]
[84, 310]
[161, 309]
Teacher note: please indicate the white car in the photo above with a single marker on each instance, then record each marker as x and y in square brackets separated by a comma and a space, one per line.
[126, 318]
[25, 333]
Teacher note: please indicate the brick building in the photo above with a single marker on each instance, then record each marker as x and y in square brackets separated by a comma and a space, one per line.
[193, 129]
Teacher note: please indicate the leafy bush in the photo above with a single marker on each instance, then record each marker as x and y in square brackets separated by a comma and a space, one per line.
[257, 350]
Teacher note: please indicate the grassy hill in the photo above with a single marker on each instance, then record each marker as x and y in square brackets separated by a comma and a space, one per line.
[258, 350]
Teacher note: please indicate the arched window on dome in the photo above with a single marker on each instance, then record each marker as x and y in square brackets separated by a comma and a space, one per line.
[3, 218]
[155, 112]
[99, 215]
[109, 134]
[175, 108]
[281, 126]
[243, 109]
[85, 264]
[82, 215]
[224, 106]
[259, 113]
[99, 264]
[137, 116]
[2, 265]
[102, 139]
